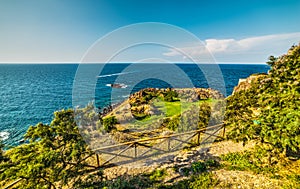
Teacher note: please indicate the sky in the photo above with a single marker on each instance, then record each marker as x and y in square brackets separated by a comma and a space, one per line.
[47, 31]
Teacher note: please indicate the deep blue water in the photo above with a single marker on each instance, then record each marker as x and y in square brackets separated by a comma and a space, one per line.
[30, 93]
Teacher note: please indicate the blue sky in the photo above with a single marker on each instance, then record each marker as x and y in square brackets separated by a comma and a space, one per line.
[63, 30]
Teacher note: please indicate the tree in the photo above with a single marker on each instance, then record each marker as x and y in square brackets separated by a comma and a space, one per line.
[269, 111]
[53, 158]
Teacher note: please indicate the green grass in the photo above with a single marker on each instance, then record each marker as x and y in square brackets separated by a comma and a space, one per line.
[174, 108]
[167, 109]
[150, 120]
[242, 161]
[201, 181]
[157, 174]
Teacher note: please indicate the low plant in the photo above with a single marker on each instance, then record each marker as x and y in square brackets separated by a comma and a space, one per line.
[158, 174]
[245, 161]
[109, 123]
[198, 167]
[205, 180]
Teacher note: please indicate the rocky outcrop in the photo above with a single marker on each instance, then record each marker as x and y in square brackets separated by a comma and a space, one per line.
[245, 84]
[208, 93]
[191, 94]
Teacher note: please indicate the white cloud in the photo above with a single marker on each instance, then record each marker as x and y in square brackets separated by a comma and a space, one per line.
[253, 49]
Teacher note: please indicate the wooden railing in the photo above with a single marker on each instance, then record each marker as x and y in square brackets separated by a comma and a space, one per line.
[119, 150]
[143, 143]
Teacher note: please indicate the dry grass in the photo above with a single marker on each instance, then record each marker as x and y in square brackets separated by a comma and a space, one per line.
[245, 180]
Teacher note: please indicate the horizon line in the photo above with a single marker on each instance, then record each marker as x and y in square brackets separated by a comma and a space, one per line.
[264, 63]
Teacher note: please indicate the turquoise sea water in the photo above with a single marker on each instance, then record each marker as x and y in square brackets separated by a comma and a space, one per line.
[30, 93]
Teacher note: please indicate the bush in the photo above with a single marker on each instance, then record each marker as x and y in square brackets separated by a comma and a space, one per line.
[173, 123]
[247, 161]
[170, 95]
[212, 163]
[198, 167]
[157, 174]
[203, 181]
[109, 123]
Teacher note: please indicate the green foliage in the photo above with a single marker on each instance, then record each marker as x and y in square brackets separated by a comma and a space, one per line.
[205, 180]
[188, 114]
[198, 167]
[173, 123]
[272, 102]
[158, 174]
[204, 114]
[89, 120]
[53, 158]
[238, 161]
[126, 182]
[245, 161]
[169, 108]
[109, 122]
[211, 163]
[170, 95]
[294, 181]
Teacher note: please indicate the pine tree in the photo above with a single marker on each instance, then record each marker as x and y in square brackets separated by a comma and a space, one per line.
[269, 111]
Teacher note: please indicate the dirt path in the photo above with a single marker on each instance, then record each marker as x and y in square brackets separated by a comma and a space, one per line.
[181, 158]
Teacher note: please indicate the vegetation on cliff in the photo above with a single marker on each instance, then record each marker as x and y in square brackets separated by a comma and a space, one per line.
[268, 110]
[152, 112]
[53, 157]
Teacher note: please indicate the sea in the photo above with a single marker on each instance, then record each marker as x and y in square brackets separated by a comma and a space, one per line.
[30, 93]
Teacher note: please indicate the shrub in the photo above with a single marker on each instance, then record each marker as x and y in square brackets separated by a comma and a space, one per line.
[247, 161]
[173, 123]
[198, 167]
[157, 174]
[212, 163]
[170, 95]
[109, 123]
[203, 181]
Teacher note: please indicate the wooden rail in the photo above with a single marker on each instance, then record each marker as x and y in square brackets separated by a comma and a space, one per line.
[109, 150]
[12, 184]
[143, 143]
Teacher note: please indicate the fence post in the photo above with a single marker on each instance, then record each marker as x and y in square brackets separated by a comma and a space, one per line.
[98, 162]
[223, 131]
[135, 150]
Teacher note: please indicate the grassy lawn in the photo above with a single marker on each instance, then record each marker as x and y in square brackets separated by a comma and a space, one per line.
[167, 109]
[174, 108]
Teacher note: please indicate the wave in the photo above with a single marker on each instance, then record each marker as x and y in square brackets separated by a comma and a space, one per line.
[4, 135]
[109, 75]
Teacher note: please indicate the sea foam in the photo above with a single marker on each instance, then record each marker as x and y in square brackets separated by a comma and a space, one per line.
[4, 135]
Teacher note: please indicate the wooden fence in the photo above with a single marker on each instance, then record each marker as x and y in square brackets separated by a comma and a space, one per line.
[119, 150]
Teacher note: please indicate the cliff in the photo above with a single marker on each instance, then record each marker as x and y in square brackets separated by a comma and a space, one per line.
[245, 84]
